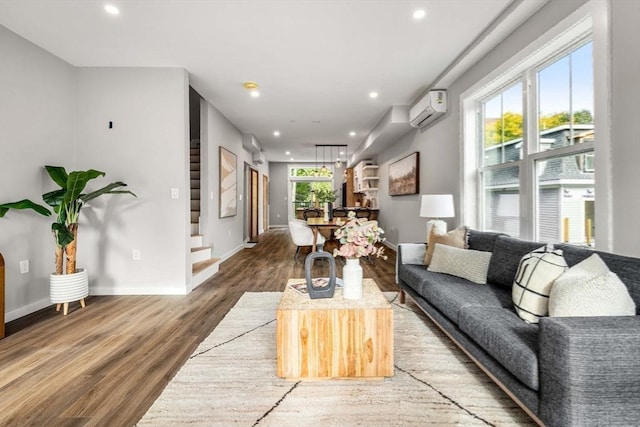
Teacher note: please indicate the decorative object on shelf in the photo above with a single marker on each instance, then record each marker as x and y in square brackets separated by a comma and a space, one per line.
[66, 203]
[404, 176]
[327, 289]
[358, 237]
[436, 206]
[228, 184]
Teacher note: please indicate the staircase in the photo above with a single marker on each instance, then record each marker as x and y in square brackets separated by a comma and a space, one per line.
[203, 266]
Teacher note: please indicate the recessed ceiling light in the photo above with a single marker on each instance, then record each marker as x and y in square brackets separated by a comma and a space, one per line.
[111, 9]
[419, 14]
[276, 133]
[287, 152]
[291, 159]
[255, 94]
[351, 134]
[373, 94]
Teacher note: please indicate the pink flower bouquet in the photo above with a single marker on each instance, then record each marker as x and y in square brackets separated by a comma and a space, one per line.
[358, 237]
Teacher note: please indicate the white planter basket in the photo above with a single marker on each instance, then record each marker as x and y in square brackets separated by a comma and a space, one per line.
[65, 288]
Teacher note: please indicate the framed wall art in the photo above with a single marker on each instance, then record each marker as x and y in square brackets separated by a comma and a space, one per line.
[228, 183]
[404, 177]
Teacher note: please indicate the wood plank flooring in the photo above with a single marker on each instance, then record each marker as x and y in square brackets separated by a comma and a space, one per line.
[106, 364]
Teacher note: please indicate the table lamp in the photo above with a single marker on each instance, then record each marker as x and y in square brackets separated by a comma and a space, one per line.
[436, 206]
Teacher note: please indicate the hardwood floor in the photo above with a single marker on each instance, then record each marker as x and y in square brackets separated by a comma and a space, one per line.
[106, 364]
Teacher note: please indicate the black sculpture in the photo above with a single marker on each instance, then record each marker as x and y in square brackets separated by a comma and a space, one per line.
[322, 288]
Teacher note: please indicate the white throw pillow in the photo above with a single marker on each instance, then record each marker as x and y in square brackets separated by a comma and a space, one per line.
[590, 289]
[535, 276]
[466, 263]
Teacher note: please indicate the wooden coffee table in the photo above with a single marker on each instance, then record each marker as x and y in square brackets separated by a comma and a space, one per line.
[334, 337]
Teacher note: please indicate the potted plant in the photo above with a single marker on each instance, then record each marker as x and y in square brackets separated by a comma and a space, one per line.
[70, 283]
[358, 238]
[326, 196]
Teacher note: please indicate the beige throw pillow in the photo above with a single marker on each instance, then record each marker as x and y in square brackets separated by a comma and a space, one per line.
[590, 289]
[457, 238]
[466, 263]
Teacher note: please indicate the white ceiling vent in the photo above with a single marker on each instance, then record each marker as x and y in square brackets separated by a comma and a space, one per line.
[428, 109]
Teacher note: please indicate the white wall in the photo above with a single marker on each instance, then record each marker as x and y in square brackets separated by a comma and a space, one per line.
[36, 117]
[224, 235]
[625, 126]
[148, 149]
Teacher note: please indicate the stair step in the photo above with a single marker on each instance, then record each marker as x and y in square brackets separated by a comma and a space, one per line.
[196, 241]
[195, 205]
[195, 215]
[195, 184]
[200, 266]
[194, 152]
[200, 254]
[194, 174]
[194, 158]
[195, 228]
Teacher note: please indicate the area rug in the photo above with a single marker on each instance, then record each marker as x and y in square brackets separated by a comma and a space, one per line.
[230, 380]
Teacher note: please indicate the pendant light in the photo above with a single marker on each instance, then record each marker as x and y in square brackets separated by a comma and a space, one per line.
[323, 169]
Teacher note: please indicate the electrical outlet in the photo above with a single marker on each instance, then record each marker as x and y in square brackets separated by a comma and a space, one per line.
[175, 193]
[24, 266]
[136, 254]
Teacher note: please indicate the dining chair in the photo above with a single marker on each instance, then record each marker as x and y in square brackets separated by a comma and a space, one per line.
[302, 235]
[363, 213]
[340, 213]
[311, 213]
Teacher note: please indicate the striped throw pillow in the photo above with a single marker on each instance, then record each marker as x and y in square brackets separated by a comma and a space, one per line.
[535, 276]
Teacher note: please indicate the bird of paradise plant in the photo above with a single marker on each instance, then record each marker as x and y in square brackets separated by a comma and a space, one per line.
[66, 203]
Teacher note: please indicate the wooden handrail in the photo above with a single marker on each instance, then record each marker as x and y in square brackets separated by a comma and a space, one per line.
[1, 297]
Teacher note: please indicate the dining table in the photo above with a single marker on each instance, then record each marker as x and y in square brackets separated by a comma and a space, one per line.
[317, 223]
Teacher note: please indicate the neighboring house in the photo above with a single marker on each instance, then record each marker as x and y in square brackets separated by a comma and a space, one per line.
[565, 195]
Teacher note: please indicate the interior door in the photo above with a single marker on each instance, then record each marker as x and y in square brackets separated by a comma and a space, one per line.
[265, 202]
[253, 208]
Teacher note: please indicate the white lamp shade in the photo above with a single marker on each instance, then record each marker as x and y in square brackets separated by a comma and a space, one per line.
[437, 206]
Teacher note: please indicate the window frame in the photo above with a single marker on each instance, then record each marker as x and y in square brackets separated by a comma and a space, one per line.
[583, 25]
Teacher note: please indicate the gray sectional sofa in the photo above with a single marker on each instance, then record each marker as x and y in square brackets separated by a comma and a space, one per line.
[564, 371]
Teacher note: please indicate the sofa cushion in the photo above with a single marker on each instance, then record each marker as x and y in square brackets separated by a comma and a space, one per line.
[509, 340]
[627, 268]
[414, 276]
[466, 263]
[456, 238]
[451, 294]
[590, 289]
[483, 240]
[531, 287]
[506, 256]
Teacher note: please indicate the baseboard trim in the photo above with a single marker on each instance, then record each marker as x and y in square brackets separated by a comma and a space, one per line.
[27, 309]
[136, 290]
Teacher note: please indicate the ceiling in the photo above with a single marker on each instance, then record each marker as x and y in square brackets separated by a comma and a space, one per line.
[315, 61]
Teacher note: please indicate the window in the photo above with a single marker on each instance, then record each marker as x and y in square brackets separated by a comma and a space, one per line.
[533, 137]
[305, 182]
[501, 147]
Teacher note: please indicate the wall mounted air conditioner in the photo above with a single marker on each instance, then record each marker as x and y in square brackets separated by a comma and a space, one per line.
[258, 158]
[429, 108]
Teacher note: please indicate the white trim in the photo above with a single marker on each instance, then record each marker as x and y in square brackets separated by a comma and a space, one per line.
[116, 290]
[27, 309]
